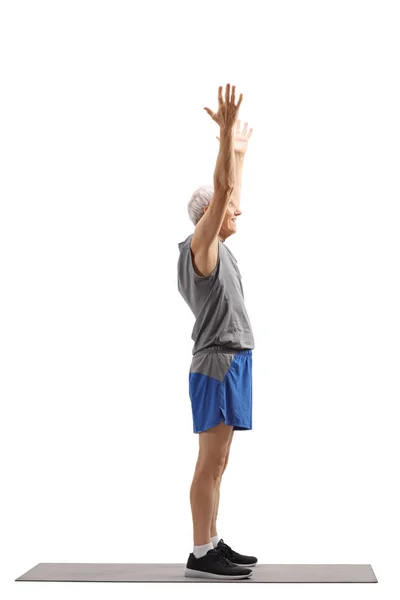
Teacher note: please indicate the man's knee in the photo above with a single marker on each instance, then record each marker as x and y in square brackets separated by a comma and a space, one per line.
[214, 445]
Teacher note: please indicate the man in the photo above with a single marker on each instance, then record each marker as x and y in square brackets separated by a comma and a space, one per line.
[220, 378]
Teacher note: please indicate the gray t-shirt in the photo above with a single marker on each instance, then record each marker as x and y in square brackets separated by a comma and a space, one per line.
[217, 301]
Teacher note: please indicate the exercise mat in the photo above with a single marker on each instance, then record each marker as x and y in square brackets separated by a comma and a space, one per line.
[175, 573]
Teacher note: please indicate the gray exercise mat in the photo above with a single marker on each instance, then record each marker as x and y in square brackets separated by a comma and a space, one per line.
[175, 573]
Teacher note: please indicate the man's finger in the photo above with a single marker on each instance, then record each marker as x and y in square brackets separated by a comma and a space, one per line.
[220, 101]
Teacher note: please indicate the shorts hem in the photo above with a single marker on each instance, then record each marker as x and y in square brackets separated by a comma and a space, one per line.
[235, 427]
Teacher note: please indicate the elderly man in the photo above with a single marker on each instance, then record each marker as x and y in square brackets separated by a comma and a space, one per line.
[220, 377]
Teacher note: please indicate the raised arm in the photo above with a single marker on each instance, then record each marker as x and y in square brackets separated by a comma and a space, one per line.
[206, 232]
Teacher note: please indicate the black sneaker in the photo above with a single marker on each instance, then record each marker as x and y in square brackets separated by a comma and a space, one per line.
[214, 565]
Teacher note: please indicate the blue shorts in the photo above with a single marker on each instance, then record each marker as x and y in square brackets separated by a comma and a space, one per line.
[220, 388]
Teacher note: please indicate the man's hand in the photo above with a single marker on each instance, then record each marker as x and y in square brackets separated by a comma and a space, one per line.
[240, 140]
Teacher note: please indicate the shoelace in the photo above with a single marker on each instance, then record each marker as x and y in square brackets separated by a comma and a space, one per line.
[228, 551]
[224, 560]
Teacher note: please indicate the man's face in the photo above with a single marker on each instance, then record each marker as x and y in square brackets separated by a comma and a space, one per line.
[228, 226]
[229, 223]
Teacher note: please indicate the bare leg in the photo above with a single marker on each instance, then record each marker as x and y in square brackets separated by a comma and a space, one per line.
[213, 528]
[202, 494]
[213, 454]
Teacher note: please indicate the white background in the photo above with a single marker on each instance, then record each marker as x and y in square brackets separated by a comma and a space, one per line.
[104, 139]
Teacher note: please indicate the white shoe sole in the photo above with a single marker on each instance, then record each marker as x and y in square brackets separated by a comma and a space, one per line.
[206, 575]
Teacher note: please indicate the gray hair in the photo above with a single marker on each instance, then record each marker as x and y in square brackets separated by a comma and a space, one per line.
[200, 198]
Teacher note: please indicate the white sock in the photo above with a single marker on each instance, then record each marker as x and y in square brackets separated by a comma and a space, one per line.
[200, 551]
[215, 540]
